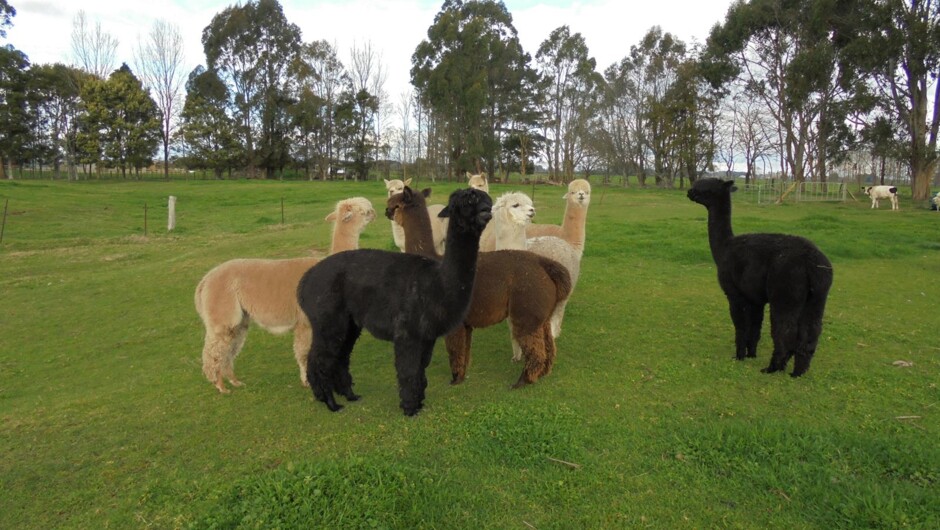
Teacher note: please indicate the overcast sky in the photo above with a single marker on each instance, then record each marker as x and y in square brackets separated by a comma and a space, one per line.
[42, 28]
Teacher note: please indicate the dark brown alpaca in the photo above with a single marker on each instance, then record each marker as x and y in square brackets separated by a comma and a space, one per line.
[513, 284]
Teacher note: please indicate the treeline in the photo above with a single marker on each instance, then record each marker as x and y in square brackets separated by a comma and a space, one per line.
[806, 85]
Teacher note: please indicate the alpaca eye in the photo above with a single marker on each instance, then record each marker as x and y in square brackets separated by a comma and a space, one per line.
[515, 205]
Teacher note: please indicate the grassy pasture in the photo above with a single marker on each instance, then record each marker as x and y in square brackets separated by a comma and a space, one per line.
[107, 421]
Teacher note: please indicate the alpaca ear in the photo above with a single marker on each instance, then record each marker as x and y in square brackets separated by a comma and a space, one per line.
[407, 182]
[468, 175]
[331, 217]
[407, 193]
[729, 183]
[565, 196]
[386, 182]
[426, 192]
[445, 212]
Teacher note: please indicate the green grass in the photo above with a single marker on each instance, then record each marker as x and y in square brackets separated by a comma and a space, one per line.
[108, 421]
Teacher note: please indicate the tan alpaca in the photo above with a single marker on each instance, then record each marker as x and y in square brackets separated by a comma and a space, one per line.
[510, 234]
[572, 228]
[237, 292]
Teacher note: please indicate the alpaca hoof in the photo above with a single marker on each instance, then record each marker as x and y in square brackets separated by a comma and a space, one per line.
[769, 370]
[519, 384]
[796, 374]
[335, 407]
[353, 397]
[456, 379]
[752, 355]
[305, 384]
[236, 382]
[223, 390]
[412, 411]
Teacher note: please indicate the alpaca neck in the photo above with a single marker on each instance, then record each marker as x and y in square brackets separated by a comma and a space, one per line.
[344, 238]
[509, 235]
[572, 227]
[419, 238]
[459, 265]
[719, 227]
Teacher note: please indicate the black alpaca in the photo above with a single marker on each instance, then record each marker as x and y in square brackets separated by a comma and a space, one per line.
[404, 298]
[789, 272]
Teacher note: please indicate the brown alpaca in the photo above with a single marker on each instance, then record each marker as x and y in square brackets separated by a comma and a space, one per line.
[438, 224]
[512, 284]
[239, 291]
[572, 228]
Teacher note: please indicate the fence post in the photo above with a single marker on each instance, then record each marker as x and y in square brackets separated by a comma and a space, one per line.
[3, 227]
[282, 210]
[145, 219]
[171, 215]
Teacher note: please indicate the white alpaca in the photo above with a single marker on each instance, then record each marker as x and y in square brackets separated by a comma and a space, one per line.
[392, 187]
[239, 291]
[572, 228]
[512, 213]
[936, 201]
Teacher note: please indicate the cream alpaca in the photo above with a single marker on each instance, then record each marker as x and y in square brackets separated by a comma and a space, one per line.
[512, 212]
[478, 182]
[392, 187]
[572, 228]
[239, 291]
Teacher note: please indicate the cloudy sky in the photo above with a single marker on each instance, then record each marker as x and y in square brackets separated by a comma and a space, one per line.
[42, 28]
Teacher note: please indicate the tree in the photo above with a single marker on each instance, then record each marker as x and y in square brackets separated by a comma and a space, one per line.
[469, 73]
[208, 132]
[53, 96]
[251, 46]
[571, 93]
[159, 62]
[121, 124]
[320, 80]
[93, 50]
[368, 73]
[898, 44]
[7, 12]
[787, 53]
[14, 115]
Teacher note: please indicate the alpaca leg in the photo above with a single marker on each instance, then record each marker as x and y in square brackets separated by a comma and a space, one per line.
[533, 347]
[302, 338]
[322, 363]
[216, 348]
[557, 316]
[785, 333]
[238, 341]
[755, 322]
[458, 349]
[343, 382]
[410, 356]
[550, 350]
[739, 316]
[516, 349]
[810, 329]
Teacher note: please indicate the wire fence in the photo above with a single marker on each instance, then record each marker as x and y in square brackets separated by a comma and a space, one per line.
[777, 191]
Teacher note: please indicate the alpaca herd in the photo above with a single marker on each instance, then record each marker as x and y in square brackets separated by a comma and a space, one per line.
[471, 264]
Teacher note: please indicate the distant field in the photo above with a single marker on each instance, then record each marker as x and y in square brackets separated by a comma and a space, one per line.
[646, 420]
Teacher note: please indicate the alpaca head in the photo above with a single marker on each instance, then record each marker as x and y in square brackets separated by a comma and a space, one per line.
[710, 191]
[356, 212]
[407, 199]
[469, 210]
[514, 207]
[579, 193]
[395, 186]
[478, 182]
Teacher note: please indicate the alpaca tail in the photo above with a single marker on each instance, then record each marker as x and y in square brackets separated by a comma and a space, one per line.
[560, 276]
